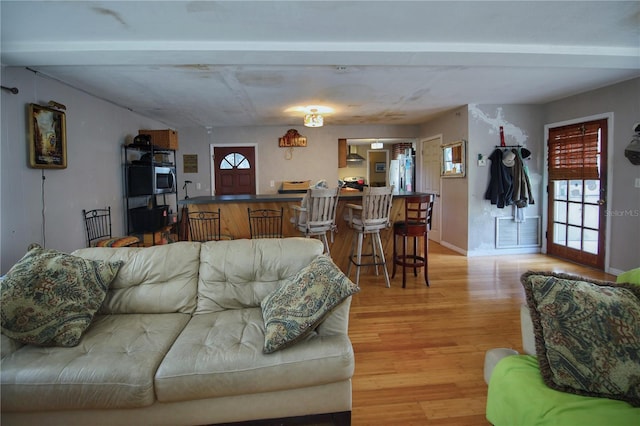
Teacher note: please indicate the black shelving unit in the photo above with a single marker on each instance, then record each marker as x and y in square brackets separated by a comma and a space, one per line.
[148, 212]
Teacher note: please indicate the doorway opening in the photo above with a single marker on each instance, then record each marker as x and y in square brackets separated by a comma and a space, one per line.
[378, 167]
[430, 181]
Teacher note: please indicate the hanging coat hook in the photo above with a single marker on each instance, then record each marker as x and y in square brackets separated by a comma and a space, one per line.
[13, 90]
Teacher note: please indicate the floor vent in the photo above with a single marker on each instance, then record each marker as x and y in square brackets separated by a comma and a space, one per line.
[511, 234]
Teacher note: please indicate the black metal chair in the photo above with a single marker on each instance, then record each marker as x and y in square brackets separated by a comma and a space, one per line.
[204, 225]
[98, 225]
[265, 223]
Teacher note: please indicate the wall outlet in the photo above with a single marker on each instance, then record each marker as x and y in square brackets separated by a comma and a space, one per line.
[272, 183]
[198, 185]
[637, 182]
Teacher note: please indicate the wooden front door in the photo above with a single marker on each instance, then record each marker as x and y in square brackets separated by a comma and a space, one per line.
[577, 192]
[234, 170]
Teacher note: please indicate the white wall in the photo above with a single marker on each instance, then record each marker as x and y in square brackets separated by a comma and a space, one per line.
[45, 206]
[318, 160]
[454, 231]
[96, 131]
[522, 125]
[623, 100]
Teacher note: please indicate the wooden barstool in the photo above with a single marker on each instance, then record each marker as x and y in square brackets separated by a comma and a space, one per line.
[369, 219]
[317, 214]
[417, 222]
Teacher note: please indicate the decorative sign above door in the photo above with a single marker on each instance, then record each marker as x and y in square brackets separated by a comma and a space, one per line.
[292, 139]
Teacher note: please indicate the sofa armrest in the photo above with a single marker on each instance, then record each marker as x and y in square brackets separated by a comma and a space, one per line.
[526, 329]
[337, 322]
[8, 346]
[491, 359]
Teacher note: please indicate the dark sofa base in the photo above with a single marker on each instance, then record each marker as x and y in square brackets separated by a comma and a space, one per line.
[333, 419]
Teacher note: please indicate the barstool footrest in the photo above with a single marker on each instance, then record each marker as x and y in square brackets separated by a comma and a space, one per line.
[410, 261]
[378, 261]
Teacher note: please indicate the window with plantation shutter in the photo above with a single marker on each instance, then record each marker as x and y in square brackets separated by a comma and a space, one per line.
[574, 151]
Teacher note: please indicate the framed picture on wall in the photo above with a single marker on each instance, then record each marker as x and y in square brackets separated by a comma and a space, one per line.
[380, 167]
[47, 138]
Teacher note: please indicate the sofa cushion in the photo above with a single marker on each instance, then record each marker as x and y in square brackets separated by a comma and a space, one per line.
[49, 297]
[295, 308]
[587, 334]
[112, 367]
[153, 280]
[240, 273]
[220, 354]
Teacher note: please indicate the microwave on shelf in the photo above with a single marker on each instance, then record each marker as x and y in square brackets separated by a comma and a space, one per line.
[150, 180]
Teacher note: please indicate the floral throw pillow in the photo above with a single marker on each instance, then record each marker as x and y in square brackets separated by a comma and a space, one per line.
[587, 334]
[299, 305]
[49, 298]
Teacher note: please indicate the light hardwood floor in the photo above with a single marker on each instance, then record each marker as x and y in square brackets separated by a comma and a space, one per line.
[420, 350]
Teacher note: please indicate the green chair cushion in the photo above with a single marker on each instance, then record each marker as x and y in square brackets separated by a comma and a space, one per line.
[632, 276]
[518, 396]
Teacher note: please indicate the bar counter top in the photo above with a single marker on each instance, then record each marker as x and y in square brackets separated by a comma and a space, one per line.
[277, 198]
[234, 221]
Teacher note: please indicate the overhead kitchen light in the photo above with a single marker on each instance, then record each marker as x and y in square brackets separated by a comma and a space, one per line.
[313, 114]
[377, 145]
[353, 157]
[313, 119]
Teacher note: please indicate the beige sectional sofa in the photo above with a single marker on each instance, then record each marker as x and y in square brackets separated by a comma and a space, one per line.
[179, 341]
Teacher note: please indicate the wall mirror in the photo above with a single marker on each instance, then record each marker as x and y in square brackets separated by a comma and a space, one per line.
[453, 159]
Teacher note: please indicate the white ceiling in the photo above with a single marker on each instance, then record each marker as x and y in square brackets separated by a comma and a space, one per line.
[241, 63]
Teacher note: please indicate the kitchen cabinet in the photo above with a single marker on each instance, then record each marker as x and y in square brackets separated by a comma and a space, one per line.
[342, 153]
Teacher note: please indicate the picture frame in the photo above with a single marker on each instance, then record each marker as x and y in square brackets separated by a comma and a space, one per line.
[453, 160]
[47, 138]
[380, 167]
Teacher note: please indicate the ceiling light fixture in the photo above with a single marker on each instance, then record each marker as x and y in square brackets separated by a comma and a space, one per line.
[313, 119]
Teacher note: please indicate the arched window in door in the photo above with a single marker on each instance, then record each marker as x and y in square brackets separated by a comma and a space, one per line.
[234, 160]
[234, 170]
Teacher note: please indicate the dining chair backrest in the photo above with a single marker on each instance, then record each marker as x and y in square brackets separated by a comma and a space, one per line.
[97, 223]
[322, 206]
[376, 207]
[204, 225]
[418, 210]
[265, 223]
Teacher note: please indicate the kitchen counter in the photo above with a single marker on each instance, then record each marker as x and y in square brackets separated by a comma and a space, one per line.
[348, 194]
[235, 223]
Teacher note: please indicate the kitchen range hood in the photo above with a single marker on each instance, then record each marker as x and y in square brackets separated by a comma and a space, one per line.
[354, 157]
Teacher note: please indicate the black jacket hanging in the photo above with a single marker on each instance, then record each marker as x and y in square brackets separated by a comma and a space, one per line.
[500, 190]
